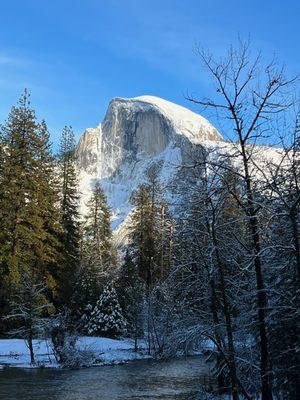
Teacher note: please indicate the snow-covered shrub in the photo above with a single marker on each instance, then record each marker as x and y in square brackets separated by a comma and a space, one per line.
[73, 357]
[85, 318]
[63, 338]
[106, 317]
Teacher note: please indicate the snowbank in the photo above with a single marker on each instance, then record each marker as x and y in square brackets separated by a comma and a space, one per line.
[14, 352]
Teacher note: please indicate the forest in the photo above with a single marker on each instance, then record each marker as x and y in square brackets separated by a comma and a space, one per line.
[218, 269]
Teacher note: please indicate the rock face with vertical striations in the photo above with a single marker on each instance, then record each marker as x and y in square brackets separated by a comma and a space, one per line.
[139, 132]
[134, 134]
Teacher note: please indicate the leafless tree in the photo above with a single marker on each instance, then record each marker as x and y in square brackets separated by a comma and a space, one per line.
[250, 96]
[26, 313]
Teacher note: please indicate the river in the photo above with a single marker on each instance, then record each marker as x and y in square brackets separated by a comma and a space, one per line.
[179, 379]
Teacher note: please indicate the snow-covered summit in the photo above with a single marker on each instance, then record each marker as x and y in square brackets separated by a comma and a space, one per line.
[140, 125]
[134, 134]
[137, 133]
[184, 120]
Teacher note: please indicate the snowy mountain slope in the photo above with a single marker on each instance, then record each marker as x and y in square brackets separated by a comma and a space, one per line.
[184, 121]
[136, 133]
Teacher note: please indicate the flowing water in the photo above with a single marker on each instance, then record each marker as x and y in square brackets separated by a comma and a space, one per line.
[179, 379]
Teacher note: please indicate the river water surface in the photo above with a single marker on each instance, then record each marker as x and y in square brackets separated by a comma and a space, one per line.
[179, 379]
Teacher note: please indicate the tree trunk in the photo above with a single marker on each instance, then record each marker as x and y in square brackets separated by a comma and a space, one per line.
[162, 239]
[135, 334]
[30, 346]
[220, 377]
[293, 218]
[231, 350]
[148, 327]
[265, 372]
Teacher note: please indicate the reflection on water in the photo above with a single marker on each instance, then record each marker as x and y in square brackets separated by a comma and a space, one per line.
[177, 379]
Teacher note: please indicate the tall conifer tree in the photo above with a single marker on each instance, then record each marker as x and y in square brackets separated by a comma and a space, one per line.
[98, 247]
[151, 231]
[97, 253]
[69, 216]
[29, 239]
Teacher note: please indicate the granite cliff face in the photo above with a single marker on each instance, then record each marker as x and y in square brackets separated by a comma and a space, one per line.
[139, 132]
[134, 134]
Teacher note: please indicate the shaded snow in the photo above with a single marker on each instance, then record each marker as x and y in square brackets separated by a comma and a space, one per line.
[14, 352]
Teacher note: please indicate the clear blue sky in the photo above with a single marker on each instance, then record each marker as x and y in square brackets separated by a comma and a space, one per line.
[75, 55]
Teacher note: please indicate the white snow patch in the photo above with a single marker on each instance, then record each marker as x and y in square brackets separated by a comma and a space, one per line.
[14, 352]
[185, 121]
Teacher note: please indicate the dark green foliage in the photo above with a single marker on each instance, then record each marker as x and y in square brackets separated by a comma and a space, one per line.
[131, 295]
[151, 231]
[97, 258]
[87, 290]
[97, 249]
[144, 236]
[29, 223]
[69, 217]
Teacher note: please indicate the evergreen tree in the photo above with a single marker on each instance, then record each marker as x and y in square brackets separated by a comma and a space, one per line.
[143, 236]
[131, 294]
[1, 166]
[29, 215]
[69, 216]
[47, 193]
[97, 255]
[151, 240]
[85, 294]
[151, 231]
[107, 318]
[97, 241]
[3, 269]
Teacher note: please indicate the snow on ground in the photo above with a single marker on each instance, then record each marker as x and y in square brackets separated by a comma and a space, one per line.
[15, 353]
[111, 351]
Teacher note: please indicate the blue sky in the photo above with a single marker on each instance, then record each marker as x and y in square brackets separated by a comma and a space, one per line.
[75, 56]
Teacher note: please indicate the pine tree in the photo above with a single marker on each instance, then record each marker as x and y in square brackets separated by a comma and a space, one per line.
[85, 294]
[131, 294]
[29, 225]
[97, 242]
[97, 255]
[151, 244]
[3, 268]
[69, 216]
[1, 166]
[143, 239]
[151, 231]
[47, 210]
[107, 318]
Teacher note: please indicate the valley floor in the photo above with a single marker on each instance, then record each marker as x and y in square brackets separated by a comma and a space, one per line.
[14, 352]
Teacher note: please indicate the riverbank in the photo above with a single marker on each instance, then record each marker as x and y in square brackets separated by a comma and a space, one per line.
[14, 352]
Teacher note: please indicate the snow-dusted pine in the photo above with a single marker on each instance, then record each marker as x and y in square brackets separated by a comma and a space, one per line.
[107, 318]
